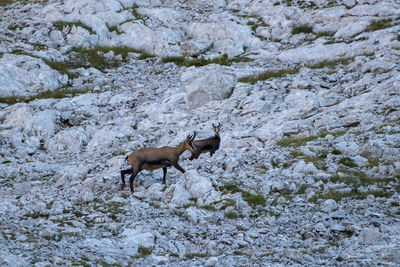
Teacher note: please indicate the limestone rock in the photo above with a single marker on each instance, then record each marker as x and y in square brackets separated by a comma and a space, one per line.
[206, 84]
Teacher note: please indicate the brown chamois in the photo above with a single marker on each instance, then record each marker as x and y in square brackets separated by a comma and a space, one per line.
[207, 145]
[156, 158]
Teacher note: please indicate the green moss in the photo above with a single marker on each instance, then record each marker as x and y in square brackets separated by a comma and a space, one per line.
[336, 152]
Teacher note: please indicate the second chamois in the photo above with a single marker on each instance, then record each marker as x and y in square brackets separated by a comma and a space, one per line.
[156, 158]
[207, 145]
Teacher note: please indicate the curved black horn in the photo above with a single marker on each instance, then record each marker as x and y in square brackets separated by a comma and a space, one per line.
[194, 135]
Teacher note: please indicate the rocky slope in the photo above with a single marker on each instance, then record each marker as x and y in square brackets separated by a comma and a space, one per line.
[307, 92]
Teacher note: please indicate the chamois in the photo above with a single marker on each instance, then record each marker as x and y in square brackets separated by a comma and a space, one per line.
[155, 158]
[207, 145]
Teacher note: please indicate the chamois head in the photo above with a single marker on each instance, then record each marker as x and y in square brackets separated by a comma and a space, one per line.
[216, 128]
[188, 143]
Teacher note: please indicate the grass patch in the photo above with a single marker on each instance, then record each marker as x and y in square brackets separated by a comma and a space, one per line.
[196, 255]
[346, 161]
[268, 75]
[201, 61]
[303, 28]
[252, 79]
[325, 34]
[355, 179]
[112, 208]
[331, 63]
[251, 199]
[296, 141]
[379, 25]
[57, 94]
[353, 194]
[317, 161]
[231, 215]
[145, 251]
[94, 57]
[7, 2]
[336, 152]
[114, 29]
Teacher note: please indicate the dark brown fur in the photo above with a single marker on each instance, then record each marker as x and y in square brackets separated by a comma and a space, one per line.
[156, 158]
[207, 145]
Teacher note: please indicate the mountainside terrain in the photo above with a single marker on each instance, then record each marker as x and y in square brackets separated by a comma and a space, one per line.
[308, 97]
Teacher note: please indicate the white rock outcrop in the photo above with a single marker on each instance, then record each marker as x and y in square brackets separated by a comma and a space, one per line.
[206, 84]
[22, 75]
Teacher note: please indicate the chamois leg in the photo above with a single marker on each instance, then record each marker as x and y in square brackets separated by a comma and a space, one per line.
[176, 165]
[164, 174]
[123, 172]
[133, 176]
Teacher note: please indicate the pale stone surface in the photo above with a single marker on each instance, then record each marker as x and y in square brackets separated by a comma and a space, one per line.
[207, 84]
[331, 94]
[22, 75]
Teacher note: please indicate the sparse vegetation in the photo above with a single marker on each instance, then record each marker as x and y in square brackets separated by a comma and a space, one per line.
[346, 161]
[145, 251]
[331, 63]
[379, 25]
[303, 28]
[290, 71]
[296, 141]
[7, 2]
[59, 93]
[195, 255]
[336, 152]
[268, 75]
[251, 199]
[231, 215]
[201, 61]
